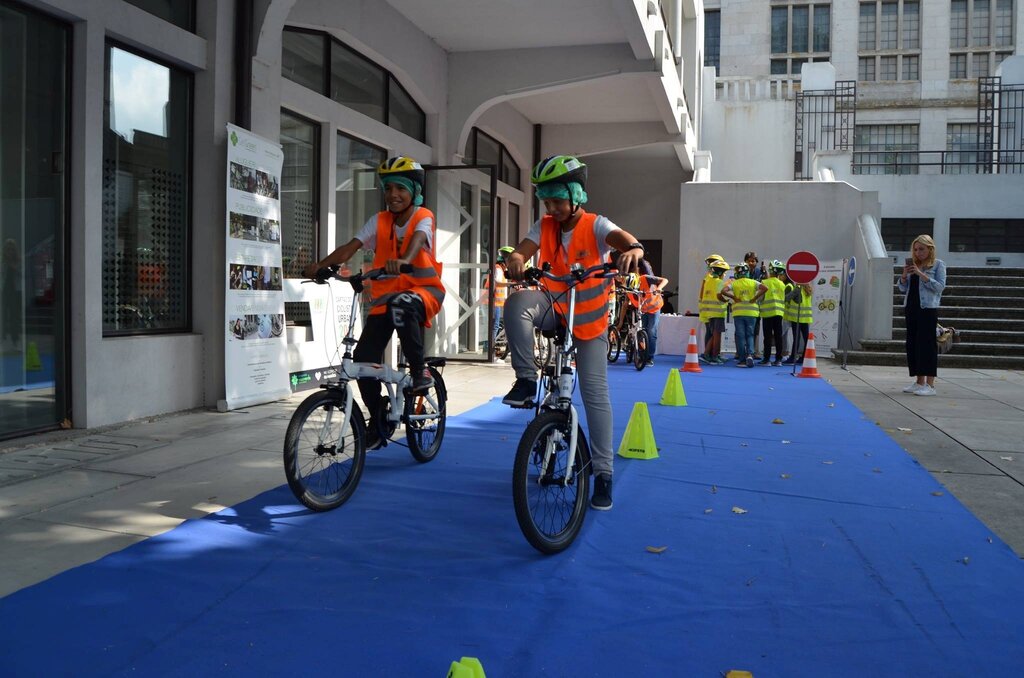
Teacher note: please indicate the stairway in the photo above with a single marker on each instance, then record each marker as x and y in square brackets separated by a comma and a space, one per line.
[985, 303]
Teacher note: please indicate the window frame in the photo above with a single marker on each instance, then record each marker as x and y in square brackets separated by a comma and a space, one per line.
[793, 59]
[991, 50]
[878, 54]
[318, 126]
[188, 263]
[706, 60]
[388, 77]
[502, 154]
[192, 11]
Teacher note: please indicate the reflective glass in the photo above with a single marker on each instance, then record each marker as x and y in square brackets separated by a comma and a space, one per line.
[403, 113]
[357, 82]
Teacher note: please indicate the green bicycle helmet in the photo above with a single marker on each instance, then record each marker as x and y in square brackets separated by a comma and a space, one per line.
[777, 265]
[503, 252]
[742, 271]
[559, 168]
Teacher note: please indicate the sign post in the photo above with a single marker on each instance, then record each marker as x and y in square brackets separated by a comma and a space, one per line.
[845, 303]
[801, 268]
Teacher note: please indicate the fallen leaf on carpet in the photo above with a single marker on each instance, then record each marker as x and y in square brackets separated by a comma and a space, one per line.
[828, 462]
[937, 493]
[876, 470]
[785, 442]
[760, 458]
[831, 404]
[744, 445]
[706, 511]
[964, 560]
[714, 489]
[777, 421]
[737, 509]
[656, 549]
[785, 476]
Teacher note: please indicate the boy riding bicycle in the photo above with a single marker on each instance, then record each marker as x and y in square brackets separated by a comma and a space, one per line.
[568, 235]
[405, 302]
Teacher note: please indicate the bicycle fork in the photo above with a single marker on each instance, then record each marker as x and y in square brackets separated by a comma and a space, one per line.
[549, 449]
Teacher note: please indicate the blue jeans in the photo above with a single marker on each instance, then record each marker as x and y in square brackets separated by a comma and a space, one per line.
[744, 336]
[497, 321]
[650, 323]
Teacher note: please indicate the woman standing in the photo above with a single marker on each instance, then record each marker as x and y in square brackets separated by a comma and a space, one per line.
[923, 280]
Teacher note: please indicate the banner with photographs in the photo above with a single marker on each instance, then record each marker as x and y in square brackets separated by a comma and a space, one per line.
[255, 357]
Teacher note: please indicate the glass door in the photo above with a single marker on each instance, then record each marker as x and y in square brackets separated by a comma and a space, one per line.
[33, 131]
[462, 200]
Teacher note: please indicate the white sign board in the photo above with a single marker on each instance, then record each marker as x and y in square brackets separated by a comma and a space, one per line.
[827, 286]
[255, 369]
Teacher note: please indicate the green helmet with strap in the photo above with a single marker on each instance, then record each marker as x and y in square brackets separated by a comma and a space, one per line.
[560, 168]
[503, 252]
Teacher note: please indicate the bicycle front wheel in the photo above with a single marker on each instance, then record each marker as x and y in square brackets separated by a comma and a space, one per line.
[322, 466]
[541, 349]
[425, 416]
[640, 353]
[614, 344]
[550, 510]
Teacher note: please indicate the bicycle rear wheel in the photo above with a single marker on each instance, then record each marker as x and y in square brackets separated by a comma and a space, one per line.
[614, 344]
[425, 416]
[640, 353]
[323, 468]
[550, 511]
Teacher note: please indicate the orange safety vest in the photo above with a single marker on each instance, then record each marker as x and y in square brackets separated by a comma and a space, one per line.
[500, 291]
[652, 302]
[425, 279]
[591, 318]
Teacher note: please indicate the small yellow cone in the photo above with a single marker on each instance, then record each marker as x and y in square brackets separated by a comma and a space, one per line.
[467, 667]
[32, 362]
[638, 440]
[673, 393]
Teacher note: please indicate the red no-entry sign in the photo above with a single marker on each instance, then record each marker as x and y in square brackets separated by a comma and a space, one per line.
[802, 267]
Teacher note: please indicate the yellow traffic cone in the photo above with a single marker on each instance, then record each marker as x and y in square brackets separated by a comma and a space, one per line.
[638, 440]
[673, 393]
[32, 362]
[467, 667]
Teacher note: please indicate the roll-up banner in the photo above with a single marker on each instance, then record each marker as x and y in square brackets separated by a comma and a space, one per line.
[255, 358]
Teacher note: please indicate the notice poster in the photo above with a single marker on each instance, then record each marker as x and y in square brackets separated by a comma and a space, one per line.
[828, 285]
[255, 369]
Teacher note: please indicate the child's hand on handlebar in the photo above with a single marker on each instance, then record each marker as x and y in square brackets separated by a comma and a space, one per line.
[394, 266]
[629, 261]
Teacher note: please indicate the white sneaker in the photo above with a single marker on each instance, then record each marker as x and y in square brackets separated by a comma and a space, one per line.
[913, 387]
[925, 390]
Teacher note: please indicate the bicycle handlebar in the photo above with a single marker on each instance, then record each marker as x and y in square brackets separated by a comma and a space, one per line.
[578, 275]
[329, 272]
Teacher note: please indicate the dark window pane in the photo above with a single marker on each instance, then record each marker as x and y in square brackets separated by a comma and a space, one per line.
[357, 82]
[487, 150]
[986, 235]
[822, 28]
[357, 196]
[403, 113]
[178, 12]
[300, 177]
[712, 38]
[779, 67]
[780, 30]
[800, 28]
[302, 59]
[145, 196]
[509, 169]
[898, 234]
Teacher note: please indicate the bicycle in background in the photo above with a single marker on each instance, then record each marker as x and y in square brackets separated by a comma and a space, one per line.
[325, 444]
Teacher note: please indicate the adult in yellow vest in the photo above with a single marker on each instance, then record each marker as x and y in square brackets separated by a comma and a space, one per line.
[744, 292]
[568, 235]
[773, 307]
[406, 302]
[800, 314]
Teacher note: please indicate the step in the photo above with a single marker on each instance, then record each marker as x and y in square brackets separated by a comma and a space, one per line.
[954, 300]
[947, 360]
[978, 291]
[985, 271]
[962, 348]
[951, 312]
[973, 336]
[1015, 327]
[993, 281]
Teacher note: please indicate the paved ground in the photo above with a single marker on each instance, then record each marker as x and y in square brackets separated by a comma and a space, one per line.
[70, 497]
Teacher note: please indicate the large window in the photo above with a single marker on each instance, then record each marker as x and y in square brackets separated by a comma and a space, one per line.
[181, 13]
[980, 36]
[800, 33]
[322, 64]
[986, 235]
[889, 40]
[484, 149]
[357, 196]
[898, 233]
[300, 199]
[712, 39]
[885, 149]
[146, 186]
[961, 148]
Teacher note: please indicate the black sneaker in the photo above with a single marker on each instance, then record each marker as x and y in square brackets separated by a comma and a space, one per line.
[422, 381]
[764, 361]
[650, 362]
[602, 498]
[788, 361]
[522, 394]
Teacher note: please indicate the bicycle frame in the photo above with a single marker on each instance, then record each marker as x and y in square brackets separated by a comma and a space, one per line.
[395, 381]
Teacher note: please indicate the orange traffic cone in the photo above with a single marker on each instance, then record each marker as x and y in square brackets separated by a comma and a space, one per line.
[691, 364]
[810, 362]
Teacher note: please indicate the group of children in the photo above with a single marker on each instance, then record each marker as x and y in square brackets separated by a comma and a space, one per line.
[756, 297]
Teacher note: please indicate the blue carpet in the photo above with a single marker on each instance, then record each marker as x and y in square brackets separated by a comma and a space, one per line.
[850, 560]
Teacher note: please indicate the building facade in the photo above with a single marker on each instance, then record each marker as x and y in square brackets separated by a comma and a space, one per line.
[113, 146]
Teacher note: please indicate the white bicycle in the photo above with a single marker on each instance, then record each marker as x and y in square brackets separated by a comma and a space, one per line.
[325, 445]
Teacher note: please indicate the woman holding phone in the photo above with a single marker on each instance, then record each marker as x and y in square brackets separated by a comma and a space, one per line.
[922, 281]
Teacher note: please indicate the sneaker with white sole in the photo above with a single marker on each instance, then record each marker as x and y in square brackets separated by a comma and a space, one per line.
[913, 388]
[925, 390]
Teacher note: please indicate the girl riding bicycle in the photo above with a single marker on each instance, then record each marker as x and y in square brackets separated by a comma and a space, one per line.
[569, 235]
